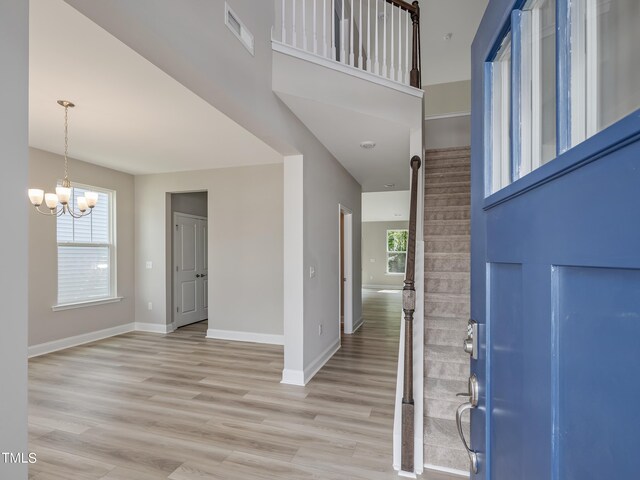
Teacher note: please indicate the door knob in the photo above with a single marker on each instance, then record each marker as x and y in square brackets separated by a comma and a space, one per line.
[472, 403]
[198, 275]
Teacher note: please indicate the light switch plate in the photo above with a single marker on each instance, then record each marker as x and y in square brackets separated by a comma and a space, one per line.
[149, 264]
[312, 272]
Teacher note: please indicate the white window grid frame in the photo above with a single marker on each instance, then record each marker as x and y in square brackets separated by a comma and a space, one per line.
[113, 273]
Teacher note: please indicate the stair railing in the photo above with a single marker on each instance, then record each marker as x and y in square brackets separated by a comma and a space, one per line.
[372, 35]
[408, 307]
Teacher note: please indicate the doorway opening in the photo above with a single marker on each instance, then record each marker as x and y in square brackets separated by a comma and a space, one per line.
[189, 260]
[345, 310]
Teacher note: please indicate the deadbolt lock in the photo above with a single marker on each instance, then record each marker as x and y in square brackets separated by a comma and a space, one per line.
[470, 344]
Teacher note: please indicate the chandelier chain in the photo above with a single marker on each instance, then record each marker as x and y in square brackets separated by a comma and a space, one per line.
[66, 141]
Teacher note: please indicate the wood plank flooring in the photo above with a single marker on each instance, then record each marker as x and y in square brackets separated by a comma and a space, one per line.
[146, 407]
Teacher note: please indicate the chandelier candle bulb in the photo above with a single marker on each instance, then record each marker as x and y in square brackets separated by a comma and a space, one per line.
[92, 199]
[82, 204]
[64, 194]
[51, 199]
[65, 190]
[36, 196]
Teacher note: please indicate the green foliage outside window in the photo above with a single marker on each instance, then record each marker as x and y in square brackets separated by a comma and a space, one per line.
[397, 250]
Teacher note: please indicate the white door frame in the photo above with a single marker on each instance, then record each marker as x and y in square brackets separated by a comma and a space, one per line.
[348, 269]
[174, 278]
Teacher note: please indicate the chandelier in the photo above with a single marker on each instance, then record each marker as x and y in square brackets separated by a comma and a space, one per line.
[63, 192]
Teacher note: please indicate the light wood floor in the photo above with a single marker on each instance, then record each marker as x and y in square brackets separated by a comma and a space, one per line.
[146, 407]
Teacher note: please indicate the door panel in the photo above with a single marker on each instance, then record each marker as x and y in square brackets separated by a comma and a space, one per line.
[507, 370]
[188, 294]
[596, 417]
[190, 272]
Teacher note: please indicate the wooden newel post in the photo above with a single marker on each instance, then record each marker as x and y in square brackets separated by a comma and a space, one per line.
[408, 307]
[414, 75]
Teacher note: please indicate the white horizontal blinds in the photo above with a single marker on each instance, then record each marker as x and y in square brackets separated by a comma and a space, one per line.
[85, 251]
[84, 273]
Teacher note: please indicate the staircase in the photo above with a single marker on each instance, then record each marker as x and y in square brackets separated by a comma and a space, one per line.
[447, 254]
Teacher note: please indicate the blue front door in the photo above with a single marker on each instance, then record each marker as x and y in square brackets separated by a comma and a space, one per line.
[556, 240]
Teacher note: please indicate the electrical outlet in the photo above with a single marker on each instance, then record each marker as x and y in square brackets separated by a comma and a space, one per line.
[312, 272]
[320, 329]
[150, 306]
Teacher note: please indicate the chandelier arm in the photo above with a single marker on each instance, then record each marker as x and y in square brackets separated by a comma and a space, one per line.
[78, 215]
[48, 213]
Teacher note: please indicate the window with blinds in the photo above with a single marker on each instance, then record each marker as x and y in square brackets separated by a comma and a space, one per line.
[86, 252]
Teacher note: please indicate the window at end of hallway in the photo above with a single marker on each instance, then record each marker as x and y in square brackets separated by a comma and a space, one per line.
[397, 251]
[86, 251]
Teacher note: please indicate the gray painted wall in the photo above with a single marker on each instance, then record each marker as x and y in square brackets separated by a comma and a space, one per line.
[447, 132]
[14, 40]
[374, 247]
[245, 225]
[194, 203]
[45, 325]
[182, 41]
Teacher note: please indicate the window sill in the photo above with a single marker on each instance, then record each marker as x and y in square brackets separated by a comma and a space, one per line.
[394, 274]
[91, 303]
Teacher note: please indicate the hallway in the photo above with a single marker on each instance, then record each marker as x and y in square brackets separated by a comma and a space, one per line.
[145, 407]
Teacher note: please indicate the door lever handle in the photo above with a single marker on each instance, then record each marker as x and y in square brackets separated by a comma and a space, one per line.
[473, 456]
[198, 275]
[472, 403]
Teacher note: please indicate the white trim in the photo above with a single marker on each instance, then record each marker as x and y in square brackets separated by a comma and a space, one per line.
[293, 377]
[447, 115]
[382, 287]
[450, 471]
[89, 303]
[347, 285]
[63, 343]
[245, 336]
[155, 327]
[315, 366]
[348, 69]
[402, 473]
[358, 324]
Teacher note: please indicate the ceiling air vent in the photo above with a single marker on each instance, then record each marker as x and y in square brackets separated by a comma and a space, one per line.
[232, 21]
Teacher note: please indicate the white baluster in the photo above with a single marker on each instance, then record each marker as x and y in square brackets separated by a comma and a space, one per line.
[332, 16]
[392, 67]
[284, 30]
[384, 39]
[304, 24]
[360, 32]
[351, 45]
[294, 35]
[377, 63]
[399, 71]
[368, 35]
[406, 49]
[315, 33]
[343, 51]
[324, 28]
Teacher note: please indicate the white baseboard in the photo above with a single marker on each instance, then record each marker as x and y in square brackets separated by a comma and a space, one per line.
[358, 324]
[315, 366]
[301, 378]
[402, 473]
[382, 287]
[54, 346]
[245, 336]
[450, 471]
[293, 377]
[155, 327]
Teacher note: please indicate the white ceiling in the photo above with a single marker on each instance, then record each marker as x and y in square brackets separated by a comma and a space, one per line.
[443, 60]
[339, 110]
[386, 206]
[130, 115]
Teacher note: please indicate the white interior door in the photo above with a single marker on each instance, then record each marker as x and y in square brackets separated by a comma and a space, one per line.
[190, 275]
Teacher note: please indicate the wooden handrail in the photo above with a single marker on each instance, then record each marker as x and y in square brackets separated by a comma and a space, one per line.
[409, 7]
[408, 307]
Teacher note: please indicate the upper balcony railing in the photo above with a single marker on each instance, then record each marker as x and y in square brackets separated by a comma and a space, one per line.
[379, 36]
